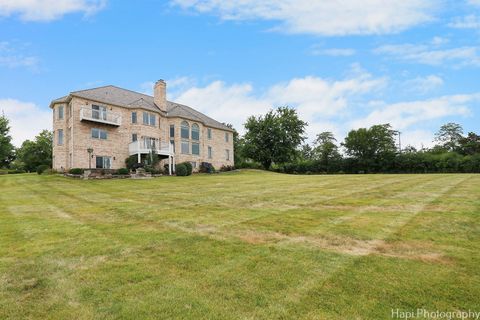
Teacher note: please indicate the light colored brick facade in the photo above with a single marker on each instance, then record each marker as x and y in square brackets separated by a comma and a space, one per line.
[77, 132]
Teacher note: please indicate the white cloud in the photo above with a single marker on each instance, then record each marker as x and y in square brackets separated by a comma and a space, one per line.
[322, 17]
[26, 119]
[47, 10]
[474, 2]
[334, 52]
[426, 54]
[12, 58]
[403, 115]
[424, 85]
[317, 100]
[467, 22]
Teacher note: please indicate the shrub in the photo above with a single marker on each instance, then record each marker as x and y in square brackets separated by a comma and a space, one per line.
[250, 165]
[189, 168]
[123, 171]
[227, 168]
[131, 162]
[207, 167]
[15, 171]
[75, 171]
[181, 170]
[42, 168]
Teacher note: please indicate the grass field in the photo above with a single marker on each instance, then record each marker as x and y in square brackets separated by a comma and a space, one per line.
[248, 245]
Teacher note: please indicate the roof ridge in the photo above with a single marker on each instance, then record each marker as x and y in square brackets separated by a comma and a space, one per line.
[143, 94]
[109, 85]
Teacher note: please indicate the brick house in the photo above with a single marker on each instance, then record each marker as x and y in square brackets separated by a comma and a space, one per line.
[101, 127]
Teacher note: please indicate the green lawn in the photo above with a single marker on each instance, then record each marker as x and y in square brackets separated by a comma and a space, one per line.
[249, 245]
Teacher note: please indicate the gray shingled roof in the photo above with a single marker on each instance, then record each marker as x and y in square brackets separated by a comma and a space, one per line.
[131, 99]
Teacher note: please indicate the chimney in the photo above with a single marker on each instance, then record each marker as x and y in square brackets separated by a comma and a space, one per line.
[160, 94]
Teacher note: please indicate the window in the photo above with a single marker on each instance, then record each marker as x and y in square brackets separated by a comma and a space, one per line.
[172, 131]
[99, 134]
[60, 137]
[195, 148]
[134, 137]
[209, 152]
[99, 112]
[185, 134]
[60, 113]
[195, 132]
[134, 117]
[227, 154]
[226, 137]
[209, 134]
[103, 162]
[149, 143]
[185, 147]
[149, 119]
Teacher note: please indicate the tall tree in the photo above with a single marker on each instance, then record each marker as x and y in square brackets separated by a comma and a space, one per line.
[470, 144]
[37, 152]
[374, 148]
[449, 136]
[7, 150]
[326, 150]
[275, 137]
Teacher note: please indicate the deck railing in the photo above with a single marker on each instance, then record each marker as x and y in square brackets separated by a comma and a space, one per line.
[107, 117]
[142, 147]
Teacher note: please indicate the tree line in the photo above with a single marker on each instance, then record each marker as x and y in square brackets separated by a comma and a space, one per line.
[275, 141]
[30, 156]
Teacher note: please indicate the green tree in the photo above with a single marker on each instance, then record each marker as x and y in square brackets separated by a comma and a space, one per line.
[306, 152]
[275, 137]
[37, 152]
[7, 150]
[326, 150]
[470, 144]
[449, 136]
[373, 149]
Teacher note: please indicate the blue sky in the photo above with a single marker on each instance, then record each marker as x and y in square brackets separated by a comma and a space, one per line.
[411, 63]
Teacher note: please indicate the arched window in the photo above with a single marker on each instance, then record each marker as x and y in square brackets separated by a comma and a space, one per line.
[195, 132]
[185, 132]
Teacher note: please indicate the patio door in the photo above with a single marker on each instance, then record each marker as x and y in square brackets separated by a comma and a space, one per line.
[99, 112]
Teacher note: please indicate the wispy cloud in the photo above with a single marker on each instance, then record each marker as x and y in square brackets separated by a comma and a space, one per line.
[322, 17]
[424, 85]
[48, 10]
[468, 22]
[12, 57]
[333, 52]
[432, 54]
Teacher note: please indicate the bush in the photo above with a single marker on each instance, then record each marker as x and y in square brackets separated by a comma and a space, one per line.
[227, 168]
[15, 171]
[189, 168]
[75, 171]
[250, 165]
[123, 171]
[131, 162]
[207, 167]
[42, 168]
[181, 170]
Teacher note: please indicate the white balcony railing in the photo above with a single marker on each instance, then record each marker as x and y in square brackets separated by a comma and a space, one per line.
[102, 116]
[142, 147]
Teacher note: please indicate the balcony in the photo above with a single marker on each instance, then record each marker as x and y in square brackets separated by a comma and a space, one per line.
[100, 116]
[142, 147]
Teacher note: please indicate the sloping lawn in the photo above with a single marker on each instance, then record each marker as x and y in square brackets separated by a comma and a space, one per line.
[242, 245]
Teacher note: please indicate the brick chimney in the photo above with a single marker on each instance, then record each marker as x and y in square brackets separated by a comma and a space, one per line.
[160, 94]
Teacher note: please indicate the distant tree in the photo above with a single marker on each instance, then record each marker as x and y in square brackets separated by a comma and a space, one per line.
[7, 150]
[373, 149]
[275, 137]
[470, 144]
[449, 136]
[37, 152]
[306, 152]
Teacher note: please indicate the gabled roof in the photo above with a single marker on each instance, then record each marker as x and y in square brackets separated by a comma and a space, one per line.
[131, 99]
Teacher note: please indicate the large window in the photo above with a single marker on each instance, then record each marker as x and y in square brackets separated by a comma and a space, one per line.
[134, 137]
[195, 148]
[209, 133]
[195, 132]
[60, 137]
[227, 154]
[99, 112]
[185, 134]
[149, 118]
[60, 113]
[185, 147]
[99, 134]
[172, 131]
[134, 117]
[209, 152]
[103, 162]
